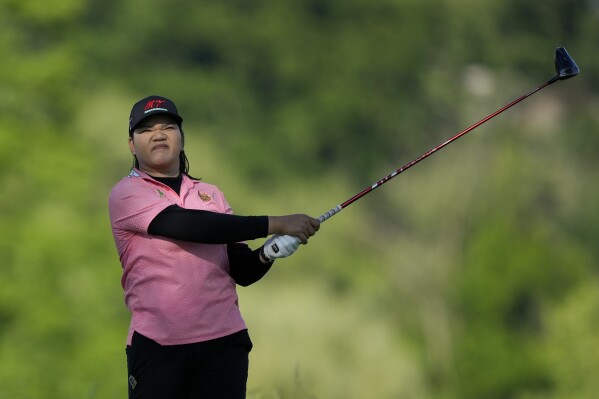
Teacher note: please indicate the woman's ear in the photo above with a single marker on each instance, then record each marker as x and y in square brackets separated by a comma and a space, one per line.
[131, 146]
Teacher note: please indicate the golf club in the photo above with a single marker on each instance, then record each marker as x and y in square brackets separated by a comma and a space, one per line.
[565, 68]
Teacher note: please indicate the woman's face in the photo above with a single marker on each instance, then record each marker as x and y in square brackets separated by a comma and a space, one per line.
[157, 143]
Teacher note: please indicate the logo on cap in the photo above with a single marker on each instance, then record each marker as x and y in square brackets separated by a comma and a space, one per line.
[154, 105]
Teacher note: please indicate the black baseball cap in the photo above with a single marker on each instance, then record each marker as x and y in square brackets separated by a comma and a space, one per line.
[152, 105]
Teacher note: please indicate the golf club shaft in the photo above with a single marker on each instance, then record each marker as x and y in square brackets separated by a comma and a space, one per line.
[384, 180]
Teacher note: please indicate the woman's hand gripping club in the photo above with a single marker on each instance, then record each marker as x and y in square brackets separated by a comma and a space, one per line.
[289, 232]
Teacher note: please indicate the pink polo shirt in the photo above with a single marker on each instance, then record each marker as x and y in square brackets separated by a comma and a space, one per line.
[178, 292]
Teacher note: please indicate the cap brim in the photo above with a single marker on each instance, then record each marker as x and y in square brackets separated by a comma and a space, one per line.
[176, 117]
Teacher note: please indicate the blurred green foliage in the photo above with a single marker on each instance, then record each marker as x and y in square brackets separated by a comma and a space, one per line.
[471, 276]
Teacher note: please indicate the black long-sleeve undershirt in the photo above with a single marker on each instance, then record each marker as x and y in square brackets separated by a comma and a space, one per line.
[245, 266]
[207, 227]
[216, 228]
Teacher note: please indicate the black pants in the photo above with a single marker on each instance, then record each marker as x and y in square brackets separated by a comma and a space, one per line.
[211, 369]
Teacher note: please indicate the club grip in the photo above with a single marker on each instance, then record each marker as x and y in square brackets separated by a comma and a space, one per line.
[330, 213]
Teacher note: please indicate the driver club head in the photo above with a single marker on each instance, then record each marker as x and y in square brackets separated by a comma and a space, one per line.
[564, 64]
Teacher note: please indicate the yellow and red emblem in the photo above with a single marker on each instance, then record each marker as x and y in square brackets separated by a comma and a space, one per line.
[204, 196]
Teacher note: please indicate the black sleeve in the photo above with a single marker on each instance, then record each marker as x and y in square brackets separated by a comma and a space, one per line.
[245, 265]
[207, 227]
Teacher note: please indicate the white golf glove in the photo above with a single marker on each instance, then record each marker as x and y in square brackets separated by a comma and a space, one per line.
[280, 246]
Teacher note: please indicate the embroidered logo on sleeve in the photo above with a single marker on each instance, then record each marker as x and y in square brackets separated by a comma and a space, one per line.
[204, 196]
[160, 192]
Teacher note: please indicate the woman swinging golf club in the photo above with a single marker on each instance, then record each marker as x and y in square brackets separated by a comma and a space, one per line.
[182, 253]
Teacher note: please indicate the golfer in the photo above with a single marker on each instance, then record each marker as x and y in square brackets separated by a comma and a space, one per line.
[182, 252]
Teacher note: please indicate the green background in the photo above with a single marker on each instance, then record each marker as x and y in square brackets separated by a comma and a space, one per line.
[473, 275]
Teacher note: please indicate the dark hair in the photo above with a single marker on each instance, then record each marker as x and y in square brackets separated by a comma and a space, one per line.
[183, 161]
